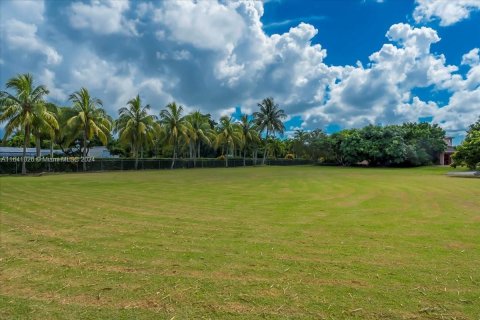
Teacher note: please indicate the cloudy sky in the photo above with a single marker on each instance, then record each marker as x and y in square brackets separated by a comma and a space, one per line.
[330, 64]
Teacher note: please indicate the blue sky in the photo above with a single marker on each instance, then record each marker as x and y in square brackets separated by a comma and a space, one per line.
[330, 64]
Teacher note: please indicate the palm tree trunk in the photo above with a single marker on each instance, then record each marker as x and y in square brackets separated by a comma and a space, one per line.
[174, 154]
[37, 145]
[84, 150]
[226, 159]
[51, 154]
[135, 152]
[265, 151]
[244, 156]
[194, 155]
[26, 142]
[198, 149]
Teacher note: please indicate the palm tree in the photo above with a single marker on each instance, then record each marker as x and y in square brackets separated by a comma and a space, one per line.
[249, 134]
[135, 126]
[269, 119]
[276, 147]
[174, 125]
[65, 137]
[25, 109]
[52, 132]
[228, 136]
[300, 138]
[41, 129]
[90, 119]
[198, 130]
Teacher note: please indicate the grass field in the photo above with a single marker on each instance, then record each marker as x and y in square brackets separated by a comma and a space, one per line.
[243, 243]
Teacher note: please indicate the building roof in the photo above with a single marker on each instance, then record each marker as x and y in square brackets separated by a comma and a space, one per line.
[100, 152]
[30, 152]
[97, 152]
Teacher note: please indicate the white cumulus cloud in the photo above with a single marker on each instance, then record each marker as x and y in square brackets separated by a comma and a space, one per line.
[447, 11]
[216, 56]
[102, 17]
[23, 37]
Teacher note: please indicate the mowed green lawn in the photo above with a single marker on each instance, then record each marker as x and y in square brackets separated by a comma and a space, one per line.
[245, 243]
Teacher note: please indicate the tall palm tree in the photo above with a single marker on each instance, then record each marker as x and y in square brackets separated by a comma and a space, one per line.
[228, 136]
[174, 126]
[65, 136]
[89, 118]
[199, 131]
[25, 109]
[249, 134]
[50, 131]
[269, 119]
[136, 126]
[41, 129]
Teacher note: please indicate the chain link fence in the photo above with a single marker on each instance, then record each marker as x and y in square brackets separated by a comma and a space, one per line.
[15, 167]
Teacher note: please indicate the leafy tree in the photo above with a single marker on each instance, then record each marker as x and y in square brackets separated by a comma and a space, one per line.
[136, 126]
[424, 142]
[25, 109]
[299, 145]
[89, 118]
[347, 147]
[317, 145]
[383, 145]
[174, 126]
[468, 153]
[17, 139]
[115, 147]
[352, 146]
[269, 119]
[408, 144]
[228, 136]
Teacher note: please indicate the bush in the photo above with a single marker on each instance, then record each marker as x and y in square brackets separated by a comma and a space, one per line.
[222, 157]
[289, 156]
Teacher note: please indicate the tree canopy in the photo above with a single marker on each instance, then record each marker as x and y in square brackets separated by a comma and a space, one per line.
[468, 153]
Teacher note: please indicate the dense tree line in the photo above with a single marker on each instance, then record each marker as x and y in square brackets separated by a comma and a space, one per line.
[410, 144]
[136, 133]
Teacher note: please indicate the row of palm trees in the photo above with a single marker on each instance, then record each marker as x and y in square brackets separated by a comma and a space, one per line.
[24, 108]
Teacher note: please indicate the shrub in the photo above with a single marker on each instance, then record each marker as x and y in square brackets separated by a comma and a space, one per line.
[221, 157]
[289, 156]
